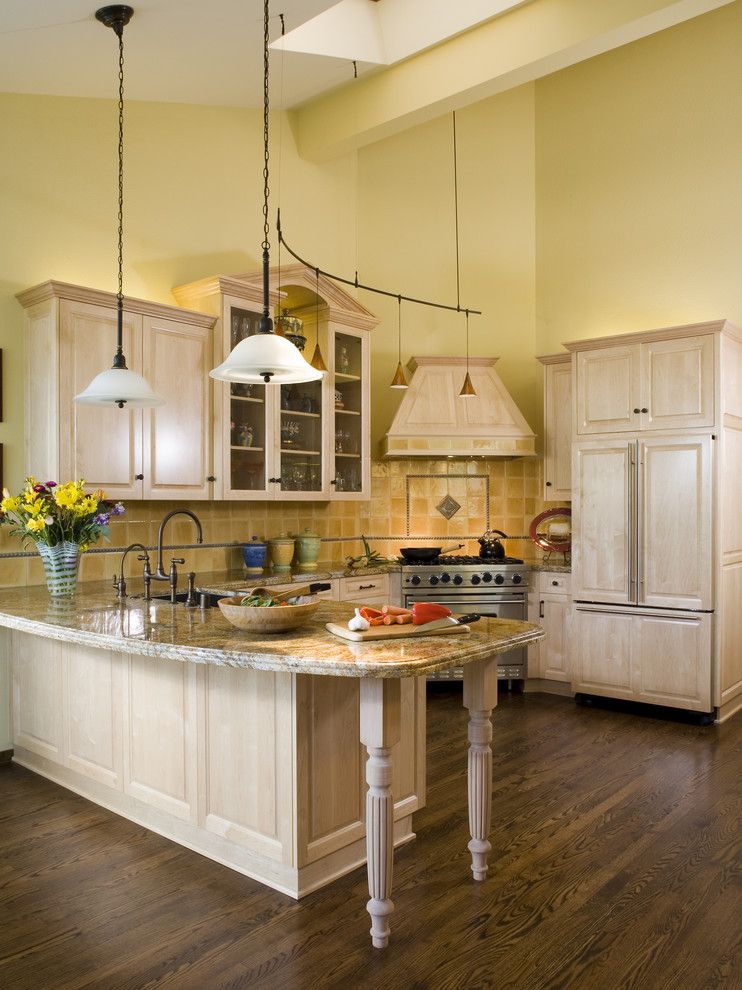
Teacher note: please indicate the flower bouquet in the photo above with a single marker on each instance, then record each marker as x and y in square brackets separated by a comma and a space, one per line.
[62, 521]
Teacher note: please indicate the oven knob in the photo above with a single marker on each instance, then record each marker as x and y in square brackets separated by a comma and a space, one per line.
[499, 579]
[433, 579]
[487, 577]
[457, 579]
[445, 578]
[415, 579]
[517, 578]
[475, 579]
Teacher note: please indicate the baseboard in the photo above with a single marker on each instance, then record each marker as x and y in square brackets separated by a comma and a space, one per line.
[6, 756]
[540, 685]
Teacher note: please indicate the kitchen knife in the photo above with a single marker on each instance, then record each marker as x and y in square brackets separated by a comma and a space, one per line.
[450, 620]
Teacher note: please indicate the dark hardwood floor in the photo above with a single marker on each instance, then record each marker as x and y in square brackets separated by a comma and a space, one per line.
[616, 854]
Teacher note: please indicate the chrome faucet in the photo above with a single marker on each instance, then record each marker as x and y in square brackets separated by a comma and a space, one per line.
[119, 581]
[172, 575]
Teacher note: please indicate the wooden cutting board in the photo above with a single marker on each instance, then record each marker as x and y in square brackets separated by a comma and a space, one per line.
[391, 632]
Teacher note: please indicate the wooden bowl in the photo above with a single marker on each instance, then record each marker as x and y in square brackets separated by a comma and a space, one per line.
[272, 619]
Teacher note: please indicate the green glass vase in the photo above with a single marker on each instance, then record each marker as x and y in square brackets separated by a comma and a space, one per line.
[61, 564]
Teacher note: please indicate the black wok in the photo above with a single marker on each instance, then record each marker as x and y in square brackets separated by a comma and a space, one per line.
[418, 555]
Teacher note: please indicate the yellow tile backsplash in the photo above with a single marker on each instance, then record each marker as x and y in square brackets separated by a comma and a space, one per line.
[509, 489]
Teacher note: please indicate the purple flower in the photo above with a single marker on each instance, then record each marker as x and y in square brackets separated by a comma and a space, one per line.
[51, 484]
[39, 488]
[102, 519]
[118, 509]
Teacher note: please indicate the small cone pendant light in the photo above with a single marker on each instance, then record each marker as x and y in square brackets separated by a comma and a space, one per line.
[317, 362]
[399, 380]
[467, 389]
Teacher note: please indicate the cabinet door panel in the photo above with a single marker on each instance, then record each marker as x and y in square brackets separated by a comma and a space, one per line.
[671, 661]
[675, 506]
[558, 432]
[678, 383]
[177, 436]
[607, 383]
[600, 541]
[100, 444]
[37, 690]
[603, 653]
[554, 656]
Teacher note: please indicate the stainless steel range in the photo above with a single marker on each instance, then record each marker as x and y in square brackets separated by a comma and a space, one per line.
[496, 588]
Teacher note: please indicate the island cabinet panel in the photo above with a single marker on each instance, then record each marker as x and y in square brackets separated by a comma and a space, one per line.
[248, 743]
[331, 764]
[37, 695]
[160, 751]
[92, 700]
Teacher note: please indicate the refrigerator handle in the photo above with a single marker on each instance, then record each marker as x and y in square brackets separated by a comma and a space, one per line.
[631, 522]
[639, 501]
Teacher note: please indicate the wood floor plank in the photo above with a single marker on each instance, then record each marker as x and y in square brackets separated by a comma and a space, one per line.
[616, 866]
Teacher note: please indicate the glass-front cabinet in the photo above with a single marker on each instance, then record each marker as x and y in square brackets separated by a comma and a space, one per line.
[305, 442]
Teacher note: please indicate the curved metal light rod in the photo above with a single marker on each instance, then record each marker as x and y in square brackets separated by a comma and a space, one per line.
[369, 288]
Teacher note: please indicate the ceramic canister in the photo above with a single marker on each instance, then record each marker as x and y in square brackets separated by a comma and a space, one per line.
[307, 550]
[282, 552]
[254, 554]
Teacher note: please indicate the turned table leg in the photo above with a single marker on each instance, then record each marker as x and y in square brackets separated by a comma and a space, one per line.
[480, 697]
[380, 729]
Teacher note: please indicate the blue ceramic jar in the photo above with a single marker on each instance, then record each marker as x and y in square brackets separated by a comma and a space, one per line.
[254, 554]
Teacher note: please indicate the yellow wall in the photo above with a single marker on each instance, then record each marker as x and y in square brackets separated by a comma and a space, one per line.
[193, 207]
[407, 244]
[639, 186]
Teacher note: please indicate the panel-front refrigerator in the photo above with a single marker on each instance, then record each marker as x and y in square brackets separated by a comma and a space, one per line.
[642, 569]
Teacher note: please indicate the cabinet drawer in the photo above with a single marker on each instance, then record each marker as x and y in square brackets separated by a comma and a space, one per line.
[554, 583]
[365, 589]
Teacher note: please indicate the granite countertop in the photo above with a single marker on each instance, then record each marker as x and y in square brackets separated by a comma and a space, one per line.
[172, 632]
[556, 566]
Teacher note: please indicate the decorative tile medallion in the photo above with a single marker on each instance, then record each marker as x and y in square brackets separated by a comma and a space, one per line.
[448, 507]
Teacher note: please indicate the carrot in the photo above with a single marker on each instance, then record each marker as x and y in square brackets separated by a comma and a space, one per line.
[395, 610]
[388, 620]
[375, 621]
[403, 619]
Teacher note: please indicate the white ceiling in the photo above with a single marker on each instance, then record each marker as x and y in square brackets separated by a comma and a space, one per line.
[194, 51]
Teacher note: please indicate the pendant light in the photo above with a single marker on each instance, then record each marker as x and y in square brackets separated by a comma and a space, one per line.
[265, 356]
[118, 385]
[467, 389]
[318, 362]
[399, 380]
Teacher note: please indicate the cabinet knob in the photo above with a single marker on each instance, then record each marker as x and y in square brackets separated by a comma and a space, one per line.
[548, 484]
[276, 481]
[211, 478]
[139, 477]
[555, 583]
[637, 409]
[644, 409]
[334, 481]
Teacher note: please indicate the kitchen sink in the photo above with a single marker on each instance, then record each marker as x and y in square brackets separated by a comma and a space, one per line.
[210, 599]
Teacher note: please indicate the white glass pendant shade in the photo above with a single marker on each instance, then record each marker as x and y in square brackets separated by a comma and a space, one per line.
[265, 354]
[115, 386]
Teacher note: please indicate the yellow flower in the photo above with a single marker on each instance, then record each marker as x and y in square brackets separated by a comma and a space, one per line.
[34, 509]
[10, 503]
[35, 525]
[84, 547]
[67, 495]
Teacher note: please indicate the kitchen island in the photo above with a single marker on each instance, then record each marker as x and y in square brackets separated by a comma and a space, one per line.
[246, 748]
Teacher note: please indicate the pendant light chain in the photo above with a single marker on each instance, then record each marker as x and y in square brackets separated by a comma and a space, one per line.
[266, 155]
[121, 167]
[456, 212]
[399, 329]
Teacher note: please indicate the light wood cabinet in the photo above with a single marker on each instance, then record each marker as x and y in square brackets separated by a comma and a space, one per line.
[557, 427]
[260, 770]
[656, 516]
[660, 658]
[131, 453]
[309, 441]
[658, 383]
[550, 606]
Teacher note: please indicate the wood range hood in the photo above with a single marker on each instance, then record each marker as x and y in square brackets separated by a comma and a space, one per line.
[434, 421]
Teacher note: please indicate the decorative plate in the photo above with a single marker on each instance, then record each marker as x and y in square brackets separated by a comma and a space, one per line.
[550, 541]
